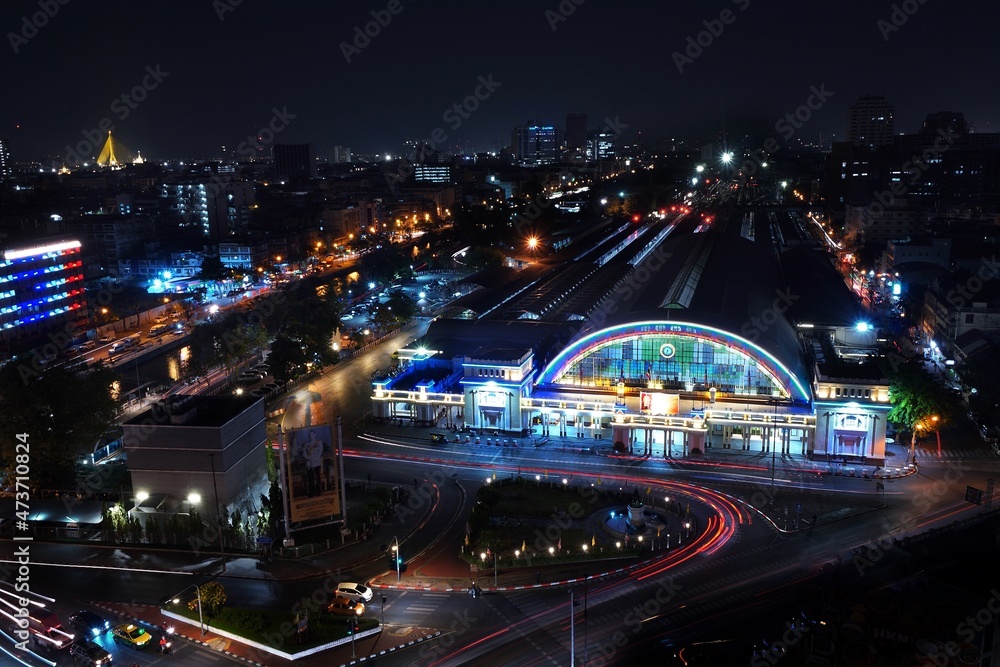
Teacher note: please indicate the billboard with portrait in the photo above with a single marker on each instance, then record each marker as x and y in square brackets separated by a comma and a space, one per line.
[655, 403]
[313, 475]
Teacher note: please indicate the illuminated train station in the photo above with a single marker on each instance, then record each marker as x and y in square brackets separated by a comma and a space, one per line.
[694, 340]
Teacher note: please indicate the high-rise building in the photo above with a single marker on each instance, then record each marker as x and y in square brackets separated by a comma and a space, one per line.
[601, 145]
[338, 155]
[40, 286]
[949, 122]
[218, 206]
[293, 162]
[871, 122]
[4, 160]
[535, 144]
[432, 173]
[576, 130]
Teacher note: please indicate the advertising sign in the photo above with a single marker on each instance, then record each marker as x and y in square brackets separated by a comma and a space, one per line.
[313, 484]
[654, 403]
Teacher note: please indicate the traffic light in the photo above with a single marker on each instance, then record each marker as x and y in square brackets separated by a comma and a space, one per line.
[350, 626]
[356, 627]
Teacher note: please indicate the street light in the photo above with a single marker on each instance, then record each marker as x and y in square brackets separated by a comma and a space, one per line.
[395, 556]
[201, 622]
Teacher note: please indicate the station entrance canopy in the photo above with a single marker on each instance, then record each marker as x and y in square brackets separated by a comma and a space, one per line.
[673, 355]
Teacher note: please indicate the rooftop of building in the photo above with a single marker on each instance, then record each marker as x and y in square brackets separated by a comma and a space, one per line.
[197, 411]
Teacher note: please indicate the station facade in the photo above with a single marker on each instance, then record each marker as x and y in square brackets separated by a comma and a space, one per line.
[654, 388]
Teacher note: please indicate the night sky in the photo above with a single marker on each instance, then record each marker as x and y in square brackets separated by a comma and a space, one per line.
[224, 76]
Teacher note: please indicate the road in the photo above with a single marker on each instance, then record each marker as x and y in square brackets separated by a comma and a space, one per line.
[651, 611]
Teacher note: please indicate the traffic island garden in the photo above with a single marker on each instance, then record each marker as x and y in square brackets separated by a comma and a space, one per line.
[522, 522]
[282, 633]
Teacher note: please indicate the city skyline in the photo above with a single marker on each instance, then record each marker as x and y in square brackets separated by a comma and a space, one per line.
[681, 72]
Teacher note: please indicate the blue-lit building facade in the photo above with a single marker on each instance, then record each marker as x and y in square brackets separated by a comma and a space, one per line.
[667, 339]
[40, 286]
[661, 388]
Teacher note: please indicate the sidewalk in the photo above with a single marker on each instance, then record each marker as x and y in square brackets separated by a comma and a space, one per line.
[895, 462]
[510, 578]
[389, 639]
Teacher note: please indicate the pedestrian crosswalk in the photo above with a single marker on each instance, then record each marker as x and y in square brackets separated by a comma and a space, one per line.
[417, 604]
[198, 656]
[980, 453]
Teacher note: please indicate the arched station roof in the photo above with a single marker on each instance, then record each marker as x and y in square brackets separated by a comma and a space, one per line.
[789, 385]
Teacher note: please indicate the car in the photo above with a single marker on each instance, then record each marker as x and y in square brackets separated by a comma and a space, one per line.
[346, 607]
[261, 368]
[257, 393]
[89, 623]
[88, 345]
[106, 338]
[132, 635]
[355, 591]
[89, 653]
[270, 386]
[160, 320]
[250, 376]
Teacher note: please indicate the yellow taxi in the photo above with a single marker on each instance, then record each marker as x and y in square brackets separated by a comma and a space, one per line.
[131, 635]
[345, 607]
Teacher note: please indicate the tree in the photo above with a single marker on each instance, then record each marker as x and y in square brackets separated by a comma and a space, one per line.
[213, 598]
[213, 271]
[63, 413]
[919, 403]
[286, 358]
[385, 265]
[483, 258]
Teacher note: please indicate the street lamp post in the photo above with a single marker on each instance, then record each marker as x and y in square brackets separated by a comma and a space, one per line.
[197, 590]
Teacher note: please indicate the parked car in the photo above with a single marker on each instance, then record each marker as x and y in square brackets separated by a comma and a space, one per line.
[88, 345]
[250, 376]
[346, 607]
[89, 653]
[89, 623]
[355, 591]
[106, 338]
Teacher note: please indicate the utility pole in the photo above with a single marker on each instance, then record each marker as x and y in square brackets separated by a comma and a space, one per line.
[572, 630]
[218, 515]
[288, 542]
[343, 493]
